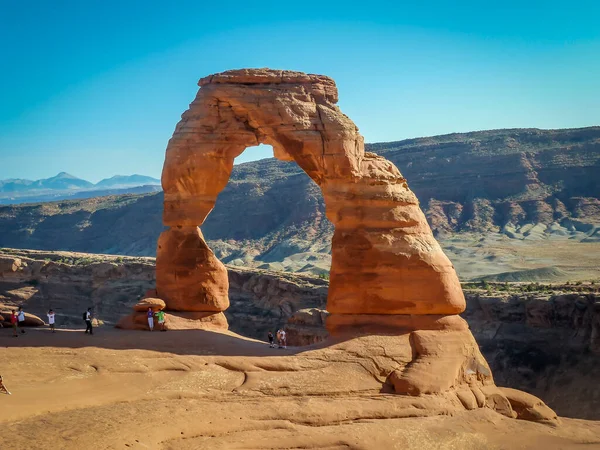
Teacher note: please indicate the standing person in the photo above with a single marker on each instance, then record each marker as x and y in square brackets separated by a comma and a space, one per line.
[282, 339]
[2, 387]
[21, 317]
[88, 321]
[150, 319]
[161, 320]
[51, 320]
[271, 339]
[14, 322]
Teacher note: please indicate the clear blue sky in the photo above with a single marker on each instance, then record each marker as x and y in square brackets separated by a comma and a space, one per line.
[95, 88]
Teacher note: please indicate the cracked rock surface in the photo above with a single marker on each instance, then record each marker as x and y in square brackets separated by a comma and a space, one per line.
[194, 389]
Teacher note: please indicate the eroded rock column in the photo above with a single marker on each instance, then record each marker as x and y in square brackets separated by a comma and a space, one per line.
[190, 276]
[199, 159]
[388, 271]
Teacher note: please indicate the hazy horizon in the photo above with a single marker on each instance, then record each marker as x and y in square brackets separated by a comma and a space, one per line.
[96, 89]
[264, 151]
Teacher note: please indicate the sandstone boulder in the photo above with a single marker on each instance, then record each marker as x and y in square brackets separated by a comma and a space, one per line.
[529, 407]
[496, 400]
[441, 361]
[31, 320]
[9, 264]
[155, 303]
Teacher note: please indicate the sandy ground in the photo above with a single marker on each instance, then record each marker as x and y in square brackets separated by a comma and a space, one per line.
[208, 390]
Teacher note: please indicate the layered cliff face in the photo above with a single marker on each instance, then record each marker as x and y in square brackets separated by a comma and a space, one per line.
[484, 180]
[70, 283]
[546, 344]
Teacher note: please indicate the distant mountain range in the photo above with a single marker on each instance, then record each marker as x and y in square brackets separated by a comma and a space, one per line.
[66, 186]
[120, 181]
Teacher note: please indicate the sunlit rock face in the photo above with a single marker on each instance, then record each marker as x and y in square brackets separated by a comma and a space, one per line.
[385, 258]
[388, 276]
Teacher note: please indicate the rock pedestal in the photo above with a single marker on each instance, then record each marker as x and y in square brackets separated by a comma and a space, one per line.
[174, 320]
[190, 277]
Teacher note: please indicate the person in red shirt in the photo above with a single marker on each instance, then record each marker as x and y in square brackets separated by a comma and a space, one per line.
[14, 322]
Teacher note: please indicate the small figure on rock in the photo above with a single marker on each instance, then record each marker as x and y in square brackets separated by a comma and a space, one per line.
[88, 321]
[281, 339]
[160, 315]
[14, 321]
[21, 316]
[271, 339]
[3, 388]
[51, 316]
[150, 319]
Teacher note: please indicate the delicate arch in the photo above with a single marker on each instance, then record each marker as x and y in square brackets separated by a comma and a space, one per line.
[385, 260]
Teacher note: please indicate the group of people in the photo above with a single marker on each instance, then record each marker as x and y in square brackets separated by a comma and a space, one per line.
[281, 339]
[160, 316]
[17, 321]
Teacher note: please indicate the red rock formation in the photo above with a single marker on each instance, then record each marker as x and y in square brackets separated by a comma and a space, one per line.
[388, 274]
[189, 276]
[385, 259]
[155, 303]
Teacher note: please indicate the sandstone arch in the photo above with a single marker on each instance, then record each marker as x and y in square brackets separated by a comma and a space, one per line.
[389, 279]
[387, 268]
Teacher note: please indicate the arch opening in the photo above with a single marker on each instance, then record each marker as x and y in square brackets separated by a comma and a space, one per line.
[278, 221]
[254, 153]
[259, 223]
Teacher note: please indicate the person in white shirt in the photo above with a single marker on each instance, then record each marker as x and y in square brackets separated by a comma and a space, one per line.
[51, 320]
[88, 321]
[21, 319]
[282, 339]
[150, 315]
